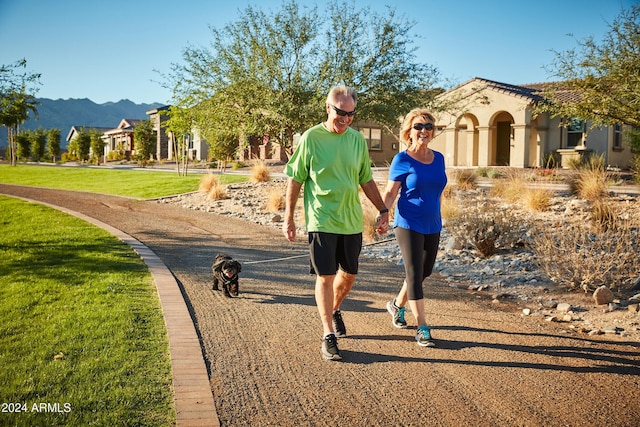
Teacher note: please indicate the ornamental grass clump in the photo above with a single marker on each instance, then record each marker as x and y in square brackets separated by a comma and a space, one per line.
[210, 184]
[275, 200]
[260, 172]
[537, 199]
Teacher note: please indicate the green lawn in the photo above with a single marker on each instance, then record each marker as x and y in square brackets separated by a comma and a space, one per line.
[132, 183]
[82, 337]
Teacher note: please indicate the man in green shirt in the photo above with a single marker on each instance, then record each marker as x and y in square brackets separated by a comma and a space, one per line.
[332, 161]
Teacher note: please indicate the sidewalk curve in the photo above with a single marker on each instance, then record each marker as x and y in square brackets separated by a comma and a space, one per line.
[192, 392]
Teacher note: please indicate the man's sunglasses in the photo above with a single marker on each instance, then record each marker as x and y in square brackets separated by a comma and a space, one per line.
[420, 126]
[343, 113]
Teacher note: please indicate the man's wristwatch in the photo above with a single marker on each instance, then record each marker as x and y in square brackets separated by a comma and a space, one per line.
[383, 211]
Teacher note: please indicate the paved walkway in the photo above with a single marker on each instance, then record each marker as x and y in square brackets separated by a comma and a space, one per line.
[193, 399]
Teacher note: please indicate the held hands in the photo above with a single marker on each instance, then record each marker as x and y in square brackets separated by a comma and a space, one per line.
[382, 223]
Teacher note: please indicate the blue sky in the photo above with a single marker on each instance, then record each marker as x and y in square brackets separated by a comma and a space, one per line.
[108, 50]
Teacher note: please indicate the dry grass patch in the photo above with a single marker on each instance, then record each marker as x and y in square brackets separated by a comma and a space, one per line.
[260, 172]
[589, 184]
[465, 179]
[210, 184]
[449, 205]
[537, 199]
[275, 200]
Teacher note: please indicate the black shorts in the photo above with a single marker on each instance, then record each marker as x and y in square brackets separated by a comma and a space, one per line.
[329, 251]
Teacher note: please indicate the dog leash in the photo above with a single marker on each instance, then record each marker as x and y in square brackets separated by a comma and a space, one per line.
[306, 255]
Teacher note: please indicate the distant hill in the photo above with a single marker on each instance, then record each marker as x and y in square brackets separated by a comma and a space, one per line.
[65, 113]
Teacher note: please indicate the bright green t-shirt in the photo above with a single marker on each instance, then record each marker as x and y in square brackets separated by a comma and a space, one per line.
[331, 168]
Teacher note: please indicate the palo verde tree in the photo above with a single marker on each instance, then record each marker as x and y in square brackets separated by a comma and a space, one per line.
[17, 99]
[603, 76]
[269, 73]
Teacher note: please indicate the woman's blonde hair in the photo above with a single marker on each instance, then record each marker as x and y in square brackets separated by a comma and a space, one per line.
[405, 129]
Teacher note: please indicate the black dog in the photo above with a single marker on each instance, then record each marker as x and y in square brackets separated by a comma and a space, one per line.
[225, 269]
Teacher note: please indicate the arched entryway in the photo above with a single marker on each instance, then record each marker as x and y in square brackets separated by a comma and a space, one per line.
[466, 140]
[503, 139]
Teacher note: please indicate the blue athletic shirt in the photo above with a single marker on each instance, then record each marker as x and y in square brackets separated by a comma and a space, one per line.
[418, 207]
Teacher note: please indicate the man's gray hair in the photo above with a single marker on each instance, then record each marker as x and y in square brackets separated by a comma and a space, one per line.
[341, 90]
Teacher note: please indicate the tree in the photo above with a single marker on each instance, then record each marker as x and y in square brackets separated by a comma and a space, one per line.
[17, 99]
[97, 145]
[180, 126]
[603, 77]
[22, 146]
[38, 140]
[82, 145]
[53, 143]
[145, 139]
[268, 74]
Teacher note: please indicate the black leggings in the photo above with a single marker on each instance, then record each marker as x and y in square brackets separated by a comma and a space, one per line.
[419, 253]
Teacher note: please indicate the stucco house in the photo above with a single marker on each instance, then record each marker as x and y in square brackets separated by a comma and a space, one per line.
[493, 124]
[121, 138]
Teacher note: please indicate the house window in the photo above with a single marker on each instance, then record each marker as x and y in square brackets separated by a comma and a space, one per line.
[617, 136]
[373, 137]
[575, 132]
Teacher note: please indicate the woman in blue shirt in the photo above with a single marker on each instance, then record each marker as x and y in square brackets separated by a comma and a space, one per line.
[418, 175]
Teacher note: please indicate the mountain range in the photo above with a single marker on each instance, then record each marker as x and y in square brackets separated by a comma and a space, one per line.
[65, 113]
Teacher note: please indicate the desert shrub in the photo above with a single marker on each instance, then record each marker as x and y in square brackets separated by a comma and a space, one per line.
[465, 179]
[207, 182]
[580, 257]
[483, 171]
[589, 184]
[487, 227]
[210, 184]
[514, 189]
[449, 206]
[217, 192]
[603, 215]
[260, 172]
[275, 200]
[537, 199]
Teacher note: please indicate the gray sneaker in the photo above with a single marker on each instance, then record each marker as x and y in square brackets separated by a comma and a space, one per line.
[330, 348]
[424, 337]
[338, 325]
[397, 314]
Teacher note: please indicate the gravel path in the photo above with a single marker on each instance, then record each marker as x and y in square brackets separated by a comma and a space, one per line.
[492, 367]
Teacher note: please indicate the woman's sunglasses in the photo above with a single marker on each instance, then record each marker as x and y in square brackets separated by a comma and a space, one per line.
[343, 113]
[420, 126]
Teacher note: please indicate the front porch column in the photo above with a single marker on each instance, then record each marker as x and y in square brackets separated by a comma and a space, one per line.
[520, 146]
[484, 145]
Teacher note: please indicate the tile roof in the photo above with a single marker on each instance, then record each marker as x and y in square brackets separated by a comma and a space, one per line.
[533, 92]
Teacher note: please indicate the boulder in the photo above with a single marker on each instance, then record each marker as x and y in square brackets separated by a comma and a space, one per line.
[603, 295]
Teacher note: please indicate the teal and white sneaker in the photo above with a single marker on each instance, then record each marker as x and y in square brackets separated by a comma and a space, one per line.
[423, 337]
[397, 314]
